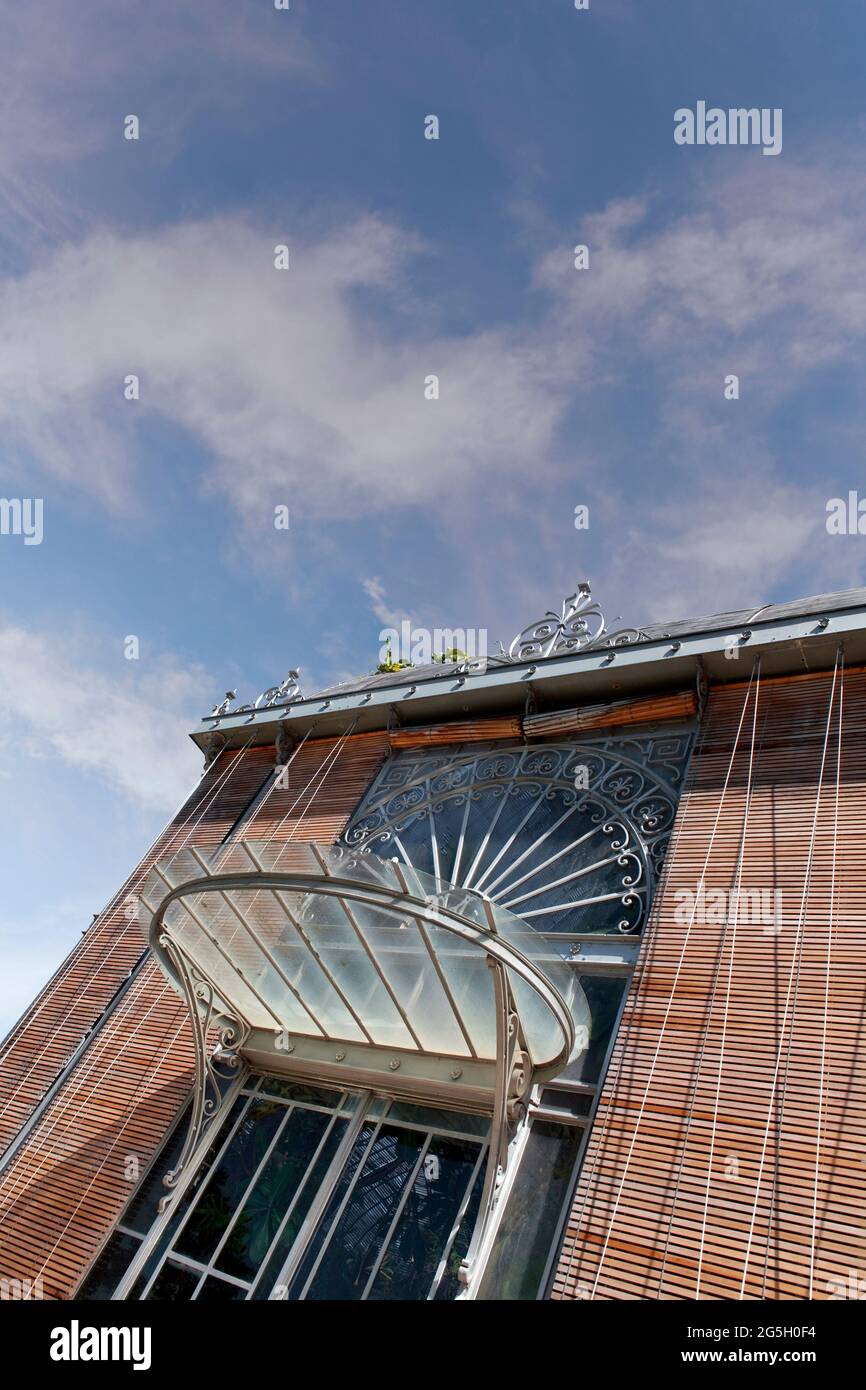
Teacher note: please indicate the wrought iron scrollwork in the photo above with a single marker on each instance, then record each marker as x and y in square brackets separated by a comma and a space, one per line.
[286, 693]
[579, 626]
[570, 837]
[217, 1040]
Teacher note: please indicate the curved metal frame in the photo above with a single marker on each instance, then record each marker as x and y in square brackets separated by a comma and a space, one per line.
[214, 1072]
[372, 895]
[514, 1072]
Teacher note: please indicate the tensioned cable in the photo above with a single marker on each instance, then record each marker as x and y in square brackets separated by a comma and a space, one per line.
[784, 1089]
[794, 963]
[320, 774]
[100, 922]
[59, 1115]
[191, 824]
[111, 1030]
[739, 880]
[705, 1031]
[821, 1070]
[228, 844]
[101, 925]
[673, 991]
[600, 1128]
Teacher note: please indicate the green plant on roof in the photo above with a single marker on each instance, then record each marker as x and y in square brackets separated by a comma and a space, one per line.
[389, 664]
[451, 655]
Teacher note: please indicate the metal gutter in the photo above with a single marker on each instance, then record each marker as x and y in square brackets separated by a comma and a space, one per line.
[787, 645]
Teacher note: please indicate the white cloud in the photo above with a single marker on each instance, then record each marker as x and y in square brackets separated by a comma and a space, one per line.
[294, 383]
[280, 374]
[388, 616]
[306, 386]
[764, 264]
[726, 543]
[128, 726]
[70, 73]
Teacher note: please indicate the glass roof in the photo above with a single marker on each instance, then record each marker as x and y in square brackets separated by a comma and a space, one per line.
[331, 943]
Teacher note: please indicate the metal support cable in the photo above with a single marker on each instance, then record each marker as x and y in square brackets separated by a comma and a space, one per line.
[794, 966]
[716, 972]
[672, 995]
[789, 1049]
[87, 1063]
[822, 1066]
[600, 1128]
[739, 879]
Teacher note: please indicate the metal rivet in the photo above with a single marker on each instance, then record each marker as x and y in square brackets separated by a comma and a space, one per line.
[339, 1056]
[394, 1064]
[456, 1073]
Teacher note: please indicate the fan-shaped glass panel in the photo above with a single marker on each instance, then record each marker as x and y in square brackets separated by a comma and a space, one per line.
[567, 838]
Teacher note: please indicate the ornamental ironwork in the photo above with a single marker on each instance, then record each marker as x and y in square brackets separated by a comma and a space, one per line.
[286, 693]
[570, 837]
[579, 626]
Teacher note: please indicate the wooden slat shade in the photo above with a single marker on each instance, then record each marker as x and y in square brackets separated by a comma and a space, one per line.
[79, 991]
[467, 731]
[69, 1182]
[693, 1096]
[681, 705]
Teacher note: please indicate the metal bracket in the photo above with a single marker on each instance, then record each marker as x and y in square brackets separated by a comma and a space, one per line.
[702, 688]
[513, 1084]
[214, 1071]
[214, 745]
[285, 745]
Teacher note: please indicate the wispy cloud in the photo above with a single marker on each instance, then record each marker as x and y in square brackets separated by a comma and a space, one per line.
[126, 725]
[280, 374]
[388, 616]
[69, 74]
[307, 385]
[724, 543]
[768, 267]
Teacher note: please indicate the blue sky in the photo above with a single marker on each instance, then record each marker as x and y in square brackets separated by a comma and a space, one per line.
[305, 388]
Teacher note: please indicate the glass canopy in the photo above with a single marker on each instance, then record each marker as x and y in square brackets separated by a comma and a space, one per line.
[323, 943]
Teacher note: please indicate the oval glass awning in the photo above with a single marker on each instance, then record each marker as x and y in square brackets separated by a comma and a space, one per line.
[333, 955]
